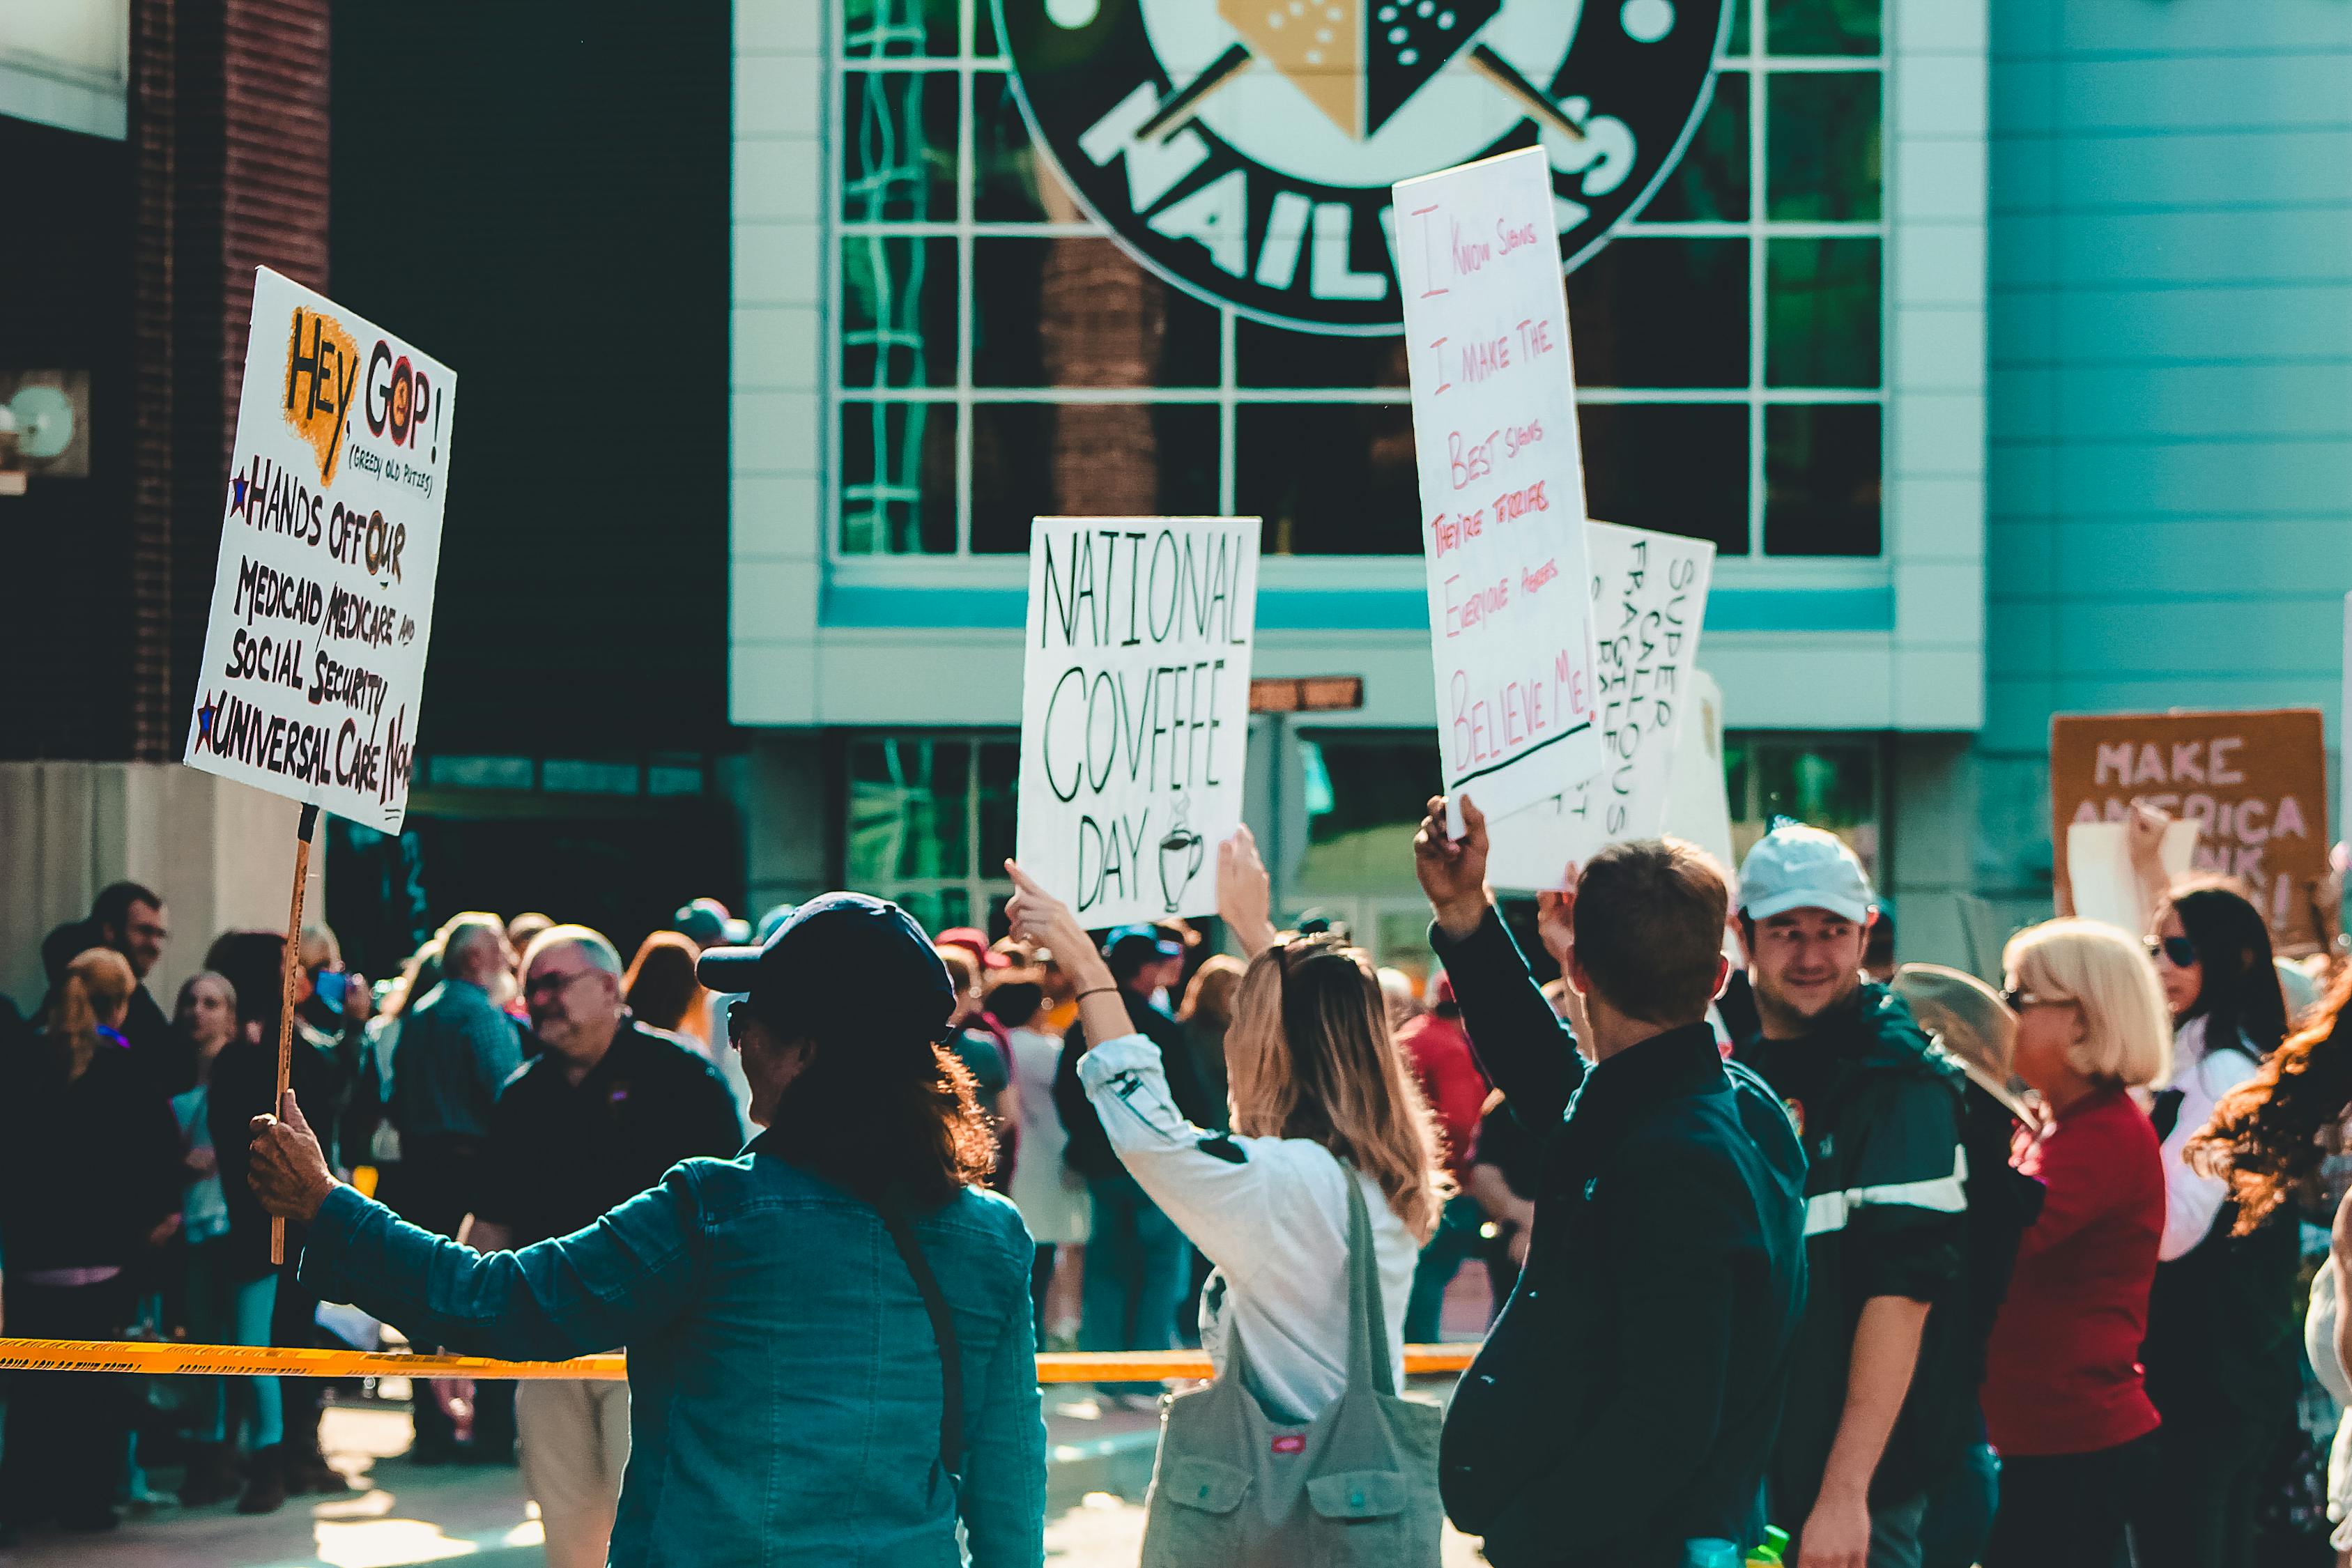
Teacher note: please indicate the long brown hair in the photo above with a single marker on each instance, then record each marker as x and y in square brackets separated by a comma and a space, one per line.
[898, 1119]
[2264, 1133]
[661, 988]
[1310, 1056]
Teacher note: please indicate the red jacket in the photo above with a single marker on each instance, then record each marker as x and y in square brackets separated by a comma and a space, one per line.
[2062, 1368]
[1439, 1051]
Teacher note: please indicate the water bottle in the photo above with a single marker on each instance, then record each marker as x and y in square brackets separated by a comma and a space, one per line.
[1774, 1549]
[1711, 1551]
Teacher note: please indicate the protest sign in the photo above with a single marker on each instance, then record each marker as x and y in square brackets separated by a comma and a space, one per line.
[1648, 597]
[2255, 783]
[1502, 483]
[1135, 710]
[2103, 878]
[323, 604]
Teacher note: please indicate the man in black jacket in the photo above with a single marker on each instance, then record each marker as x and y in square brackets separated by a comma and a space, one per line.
[1883, 1402]
[1626, 1401]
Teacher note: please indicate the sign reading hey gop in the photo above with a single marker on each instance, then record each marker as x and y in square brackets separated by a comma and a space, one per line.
[322, 606]
[1649, 596]
[1135, 710]
[1502, 483]
[2255, 783]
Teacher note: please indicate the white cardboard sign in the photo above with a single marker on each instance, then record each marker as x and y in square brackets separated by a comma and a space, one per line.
[1135, 710]
[1649, 599]
[1502, 483]
[323, 605]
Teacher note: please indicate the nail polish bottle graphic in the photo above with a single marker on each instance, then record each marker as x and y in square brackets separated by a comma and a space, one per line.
[1180, 854]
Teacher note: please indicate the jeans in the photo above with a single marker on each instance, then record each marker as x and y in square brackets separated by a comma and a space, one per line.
[2067, 1510]
[68, 1433]
[1134, 1275]
[1455, 1243]
[226, 1310]
[2198, 1511]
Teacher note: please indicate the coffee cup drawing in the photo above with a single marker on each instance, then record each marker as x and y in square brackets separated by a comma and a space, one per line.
[1181, 854]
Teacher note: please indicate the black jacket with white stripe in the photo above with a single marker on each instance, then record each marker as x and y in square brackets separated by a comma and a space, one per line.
[1885, 1215]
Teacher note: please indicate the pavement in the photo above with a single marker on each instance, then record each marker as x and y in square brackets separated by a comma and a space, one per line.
[1099, 1455]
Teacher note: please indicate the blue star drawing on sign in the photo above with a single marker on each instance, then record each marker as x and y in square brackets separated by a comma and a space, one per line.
[204, 716]
[237, 498]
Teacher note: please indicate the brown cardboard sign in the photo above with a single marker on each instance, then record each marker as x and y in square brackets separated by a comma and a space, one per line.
[2254, 783]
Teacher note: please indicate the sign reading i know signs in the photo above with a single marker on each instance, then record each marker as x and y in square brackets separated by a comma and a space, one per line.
[1502, 483]
[1135, 710]
[2254, 783]
[1649, 596]
[322, 606]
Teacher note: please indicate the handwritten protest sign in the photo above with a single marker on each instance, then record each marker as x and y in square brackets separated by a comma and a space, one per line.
[1135, 710]
[2255, 783]
[1648, 597]
[1502, 484]
[323, 605]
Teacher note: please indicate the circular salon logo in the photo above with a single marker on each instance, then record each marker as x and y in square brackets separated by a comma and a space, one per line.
[1243, 149]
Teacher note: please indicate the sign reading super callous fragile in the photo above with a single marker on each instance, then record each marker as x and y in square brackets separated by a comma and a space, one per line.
[1244, 148]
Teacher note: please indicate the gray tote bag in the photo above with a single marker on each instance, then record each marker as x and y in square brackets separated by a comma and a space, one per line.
[1355, 1488]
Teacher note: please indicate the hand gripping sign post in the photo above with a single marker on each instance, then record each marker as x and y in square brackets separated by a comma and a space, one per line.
[1649, 596]
[322, 606]
[1502, 484]
[1135, 710]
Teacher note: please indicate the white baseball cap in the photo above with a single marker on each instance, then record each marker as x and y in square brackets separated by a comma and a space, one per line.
[1799, 867]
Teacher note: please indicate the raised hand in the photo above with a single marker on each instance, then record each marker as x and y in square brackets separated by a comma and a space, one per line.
[1452, 871]
[1556, 919]
[1038, 916]
[1245, 892]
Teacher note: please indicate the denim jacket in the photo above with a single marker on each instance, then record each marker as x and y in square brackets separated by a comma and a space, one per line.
[784, 1379]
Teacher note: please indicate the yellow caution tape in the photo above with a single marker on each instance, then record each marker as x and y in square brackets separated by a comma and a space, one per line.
[169, 1358]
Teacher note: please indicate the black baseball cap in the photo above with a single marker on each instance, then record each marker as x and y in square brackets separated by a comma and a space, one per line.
[841, 964]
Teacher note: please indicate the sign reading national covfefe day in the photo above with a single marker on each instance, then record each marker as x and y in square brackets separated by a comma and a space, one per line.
[1135, 710]
[322, 605]
[2254, 783]
[1502, 482]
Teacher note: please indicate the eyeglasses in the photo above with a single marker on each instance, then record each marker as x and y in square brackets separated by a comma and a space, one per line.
[547, 987]
[2176, 951]
[2018, 999]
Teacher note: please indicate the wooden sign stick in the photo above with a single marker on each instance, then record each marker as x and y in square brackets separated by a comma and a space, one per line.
[293, 961]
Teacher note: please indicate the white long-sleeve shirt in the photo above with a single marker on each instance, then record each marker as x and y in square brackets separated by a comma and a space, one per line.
[2202, 1075]
[1272, 1215]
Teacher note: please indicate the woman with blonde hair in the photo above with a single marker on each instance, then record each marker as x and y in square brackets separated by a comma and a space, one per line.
[2064, 1399]
[90, 1185]
[1313, 1211]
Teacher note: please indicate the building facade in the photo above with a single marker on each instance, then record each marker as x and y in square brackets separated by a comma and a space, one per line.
[2002, 347]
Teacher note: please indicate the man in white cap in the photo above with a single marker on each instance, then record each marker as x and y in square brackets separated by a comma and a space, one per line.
[1882, 1399]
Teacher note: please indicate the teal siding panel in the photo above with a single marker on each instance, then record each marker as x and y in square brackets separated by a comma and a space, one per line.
[2191, 402]
[2097, 172]
[2155, 478]
[2219, 557]
[2175, 248]
[2086, 27]
[2301, 88]
[2272, 636]
[2259, 323]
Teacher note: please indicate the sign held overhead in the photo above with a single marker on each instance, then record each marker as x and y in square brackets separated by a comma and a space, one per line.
[323, 605]
[1502, 482]
[1648, 597]
[2254, 783]
[1135, 710]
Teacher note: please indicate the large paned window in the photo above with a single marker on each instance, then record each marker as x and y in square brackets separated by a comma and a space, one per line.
[998, 356]
[931, 824]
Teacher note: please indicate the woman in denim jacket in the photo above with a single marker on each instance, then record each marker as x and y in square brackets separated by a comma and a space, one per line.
[788, 1403]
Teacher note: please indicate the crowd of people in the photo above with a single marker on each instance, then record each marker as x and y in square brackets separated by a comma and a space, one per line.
[1772, 1269]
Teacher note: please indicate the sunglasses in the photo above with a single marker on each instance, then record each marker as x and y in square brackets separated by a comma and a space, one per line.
[2018, 999]
[2176, 951]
